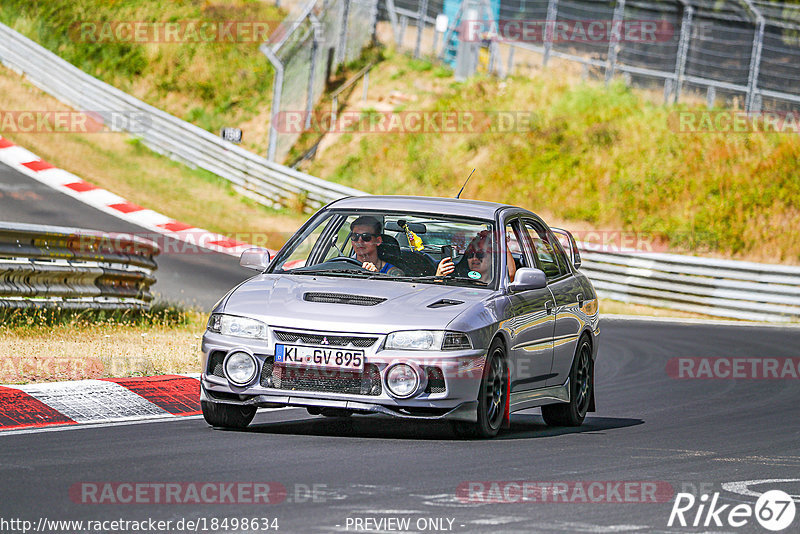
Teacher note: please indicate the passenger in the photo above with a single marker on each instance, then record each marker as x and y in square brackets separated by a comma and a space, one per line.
[365, 233]
[479, 259]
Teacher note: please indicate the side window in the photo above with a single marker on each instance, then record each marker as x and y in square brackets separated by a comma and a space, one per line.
[514, 246]
[549, 259]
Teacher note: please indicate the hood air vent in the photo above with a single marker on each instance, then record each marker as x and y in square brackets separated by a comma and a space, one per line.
[445, 302]
[342, 298]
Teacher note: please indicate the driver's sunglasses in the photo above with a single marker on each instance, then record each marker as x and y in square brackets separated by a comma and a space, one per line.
[365, 237]
[475, 254]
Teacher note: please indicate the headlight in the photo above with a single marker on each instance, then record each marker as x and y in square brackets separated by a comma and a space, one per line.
[231, 325]
[427, 340]
[402, 380]
[240, 368]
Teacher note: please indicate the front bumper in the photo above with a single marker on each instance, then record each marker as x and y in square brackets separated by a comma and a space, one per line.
[461, 374]
[466, 411]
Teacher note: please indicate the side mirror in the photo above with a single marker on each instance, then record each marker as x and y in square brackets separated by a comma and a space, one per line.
[255, 258]
[528, 278]
[570, 246]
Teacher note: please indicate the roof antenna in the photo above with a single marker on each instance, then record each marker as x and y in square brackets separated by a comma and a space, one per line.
[465, 183]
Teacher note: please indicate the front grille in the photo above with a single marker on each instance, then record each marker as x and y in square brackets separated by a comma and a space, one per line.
[215, 363]
[343, 298]
[318, 339]
[323, 380]
[435, 380]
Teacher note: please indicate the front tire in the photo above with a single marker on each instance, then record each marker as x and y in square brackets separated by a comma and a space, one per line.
[492, 396]
[221, 415]
[581, 390]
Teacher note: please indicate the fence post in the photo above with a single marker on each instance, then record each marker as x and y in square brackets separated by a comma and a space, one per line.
[552, 13]
[343, 33]
[390, 10]
[755, 58]
[277, 88]
[311, 97]
[421, 15]
[683, 47]
[611, 64]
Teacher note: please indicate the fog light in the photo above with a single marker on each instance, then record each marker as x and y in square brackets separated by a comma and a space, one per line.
[240, 368]
[401, 380]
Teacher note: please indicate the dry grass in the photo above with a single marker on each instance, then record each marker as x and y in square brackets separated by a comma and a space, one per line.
[615, 307]
[44, 346]
[98, 352]
[117, 163]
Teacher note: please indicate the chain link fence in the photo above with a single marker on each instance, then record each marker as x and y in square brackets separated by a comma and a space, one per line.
[305, 51]
[744, 53]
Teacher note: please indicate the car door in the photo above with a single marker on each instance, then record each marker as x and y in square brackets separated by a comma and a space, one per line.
[530, 324]
[566, 291]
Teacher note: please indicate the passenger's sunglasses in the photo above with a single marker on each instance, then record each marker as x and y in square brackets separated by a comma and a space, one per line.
[365, 237]
[475, 254]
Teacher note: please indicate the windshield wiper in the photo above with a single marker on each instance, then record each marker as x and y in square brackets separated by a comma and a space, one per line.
[332, 272]
[445, 279]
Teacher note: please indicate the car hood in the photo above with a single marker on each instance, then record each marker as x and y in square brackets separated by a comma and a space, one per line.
[282, 300]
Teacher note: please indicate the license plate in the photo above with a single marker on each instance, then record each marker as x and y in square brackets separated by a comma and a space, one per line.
[319, 357]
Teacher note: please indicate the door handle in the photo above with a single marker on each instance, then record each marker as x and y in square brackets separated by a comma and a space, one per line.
[580, 300]
[548, 306]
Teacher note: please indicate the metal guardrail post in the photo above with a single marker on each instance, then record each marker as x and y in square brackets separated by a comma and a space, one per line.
[611, 63]
[552, 13]
[423, 13]
[755, 58]
[683, 48]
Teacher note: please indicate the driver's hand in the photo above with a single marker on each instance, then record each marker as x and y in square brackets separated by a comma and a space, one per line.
[445, 267]
[368, 265]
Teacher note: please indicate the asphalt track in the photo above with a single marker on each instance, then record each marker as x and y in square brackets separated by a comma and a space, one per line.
[692, 434]
[197, 279]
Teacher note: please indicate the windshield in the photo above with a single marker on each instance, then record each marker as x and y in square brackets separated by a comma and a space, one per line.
[393, 245]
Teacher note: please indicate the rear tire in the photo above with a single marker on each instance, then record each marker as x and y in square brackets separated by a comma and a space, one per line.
[491, 396]
[221, 415]
[581, 390]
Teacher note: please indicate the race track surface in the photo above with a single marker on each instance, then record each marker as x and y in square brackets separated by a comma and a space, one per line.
[198, 279]
[688, 434]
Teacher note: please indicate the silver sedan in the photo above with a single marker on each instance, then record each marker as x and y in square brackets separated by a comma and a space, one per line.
[412, 307]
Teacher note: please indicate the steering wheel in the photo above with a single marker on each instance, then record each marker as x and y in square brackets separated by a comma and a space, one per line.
[347, 259]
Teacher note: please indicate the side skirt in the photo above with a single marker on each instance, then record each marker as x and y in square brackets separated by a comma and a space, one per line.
[522, 400]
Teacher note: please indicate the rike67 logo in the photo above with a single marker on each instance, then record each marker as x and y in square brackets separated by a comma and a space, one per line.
[774, 510]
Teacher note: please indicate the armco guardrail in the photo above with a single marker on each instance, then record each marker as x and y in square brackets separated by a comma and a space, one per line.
[267, 182]
[71, 268]
[724, 288]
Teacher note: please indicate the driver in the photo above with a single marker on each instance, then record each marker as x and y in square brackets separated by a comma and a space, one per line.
[365, 233]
